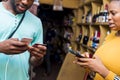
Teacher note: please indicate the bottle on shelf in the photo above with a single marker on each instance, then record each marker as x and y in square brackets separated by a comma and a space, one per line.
[85, 39]
[106, 12]
[96, 39]
[89, 17]
[91, 40]
[94, 18]
[103, 15]
[79, 37]
[96, 15]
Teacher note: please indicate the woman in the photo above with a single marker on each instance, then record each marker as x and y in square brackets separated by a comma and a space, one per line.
[106, 61]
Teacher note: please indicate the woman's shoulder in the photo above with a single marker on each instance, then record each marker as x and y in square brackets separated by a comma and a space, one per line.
[110, 36]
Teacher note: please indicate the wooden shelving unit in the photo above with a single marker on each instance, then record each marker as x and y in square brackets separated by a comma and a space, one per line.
[89, 28]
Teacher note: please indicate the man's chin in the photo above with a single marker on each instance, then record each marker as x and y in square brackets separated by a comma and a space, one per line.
[20, 12]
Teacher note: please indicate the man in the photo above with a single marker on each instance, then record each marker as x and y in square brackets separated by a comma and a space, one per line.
[15, 53]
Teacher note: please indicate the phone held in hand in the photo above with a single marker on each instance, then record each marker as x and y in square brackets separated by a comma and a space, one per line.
[36, 44]
[78, 54]
[26, 40]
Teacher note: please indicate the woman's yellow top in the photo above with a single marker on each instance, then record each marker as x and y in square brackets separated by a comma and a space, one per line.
[109, 52]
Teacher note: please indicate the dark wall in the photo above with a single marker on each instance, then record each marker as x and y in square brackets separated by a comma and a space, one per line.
[46, 11]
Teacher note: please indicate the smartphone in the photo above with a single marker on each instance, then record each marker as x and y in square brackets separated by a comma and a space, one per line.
[78, 54]
[26, 40]
[36, 44]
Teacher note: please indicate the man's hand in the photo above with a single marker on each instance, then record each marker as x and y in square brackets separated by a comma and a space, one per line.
[13, 46]
[37, 53]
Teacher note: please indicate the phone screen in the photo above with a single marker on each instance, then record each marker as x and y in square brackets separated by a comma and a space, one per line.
[78, 54]
[36, 44]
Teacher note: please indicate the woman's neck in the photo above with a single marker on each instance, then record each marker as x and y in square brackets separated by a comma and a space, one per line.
[118, 33]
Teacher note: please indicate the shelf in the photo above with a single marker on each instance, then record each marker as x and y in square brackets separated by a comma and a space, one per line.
[93, 6]
[81, 3]
[106, 24]
[79, 24]
[88, 2]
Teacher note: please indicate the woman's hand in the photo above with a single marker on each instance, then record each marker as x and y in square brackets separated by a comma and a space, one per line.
[12, 46]
[94, 64]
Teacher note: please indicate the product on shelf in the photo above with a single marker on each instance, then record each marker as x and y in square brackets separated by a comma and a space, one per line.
[89, 17]
[95, 17]
[106, 13]
[79, 37]
[91, 39]
[96, 39]
[85, 39]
